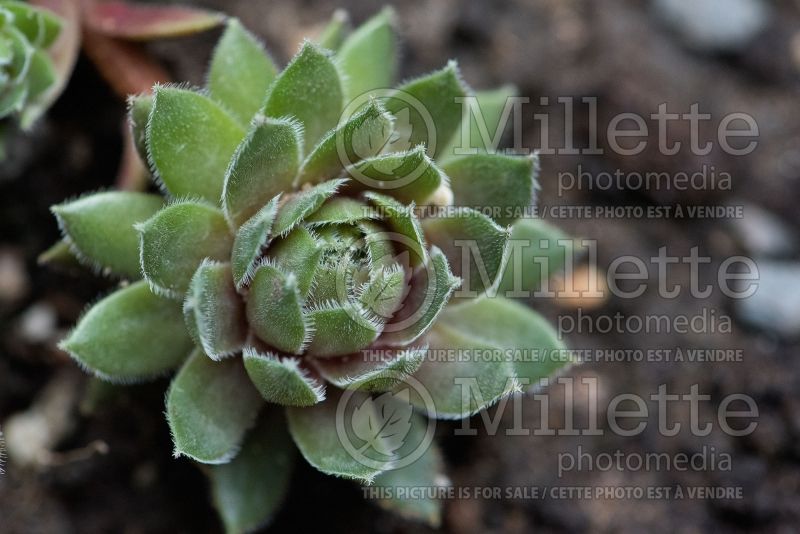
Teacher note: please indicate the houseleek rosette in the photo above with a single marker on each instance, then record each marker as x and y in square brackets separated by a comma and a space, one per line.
[286, 253]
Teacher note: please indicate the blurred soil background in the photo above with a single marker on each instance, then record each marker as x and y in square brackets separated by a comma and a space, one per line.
[727, 56]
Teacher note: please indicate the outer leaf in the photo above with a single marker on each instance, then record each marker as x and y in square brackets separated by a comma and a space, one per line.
[274, 309]
[263, 166]
[310, 90]
[125, 66]
[282, 380]
[303, 204]
[210, 407]
[336, 31]
[434, 111]
[369, 55]
[406, 176]
[532, 241]
[341, 330]
[176, 240]
[497, 184]
[490, 105]
[139, 108]
[401, 220]
[513, 327]
[249, 490]
[431, 288]
[125, 20]
[467, 384]
[298, 253]
[129, 336]
[371, 370]
[191, 140]
[41, 74]
[314, 430]
[251, 238]
[214, 312]
[100, 228]
[474, 245]
[361, 136]
[427, 471]
[240, 72]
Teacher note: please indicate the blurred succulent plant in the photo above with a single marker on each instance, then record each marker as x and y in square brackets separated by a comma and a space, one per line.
[26, 70]
[288, 265]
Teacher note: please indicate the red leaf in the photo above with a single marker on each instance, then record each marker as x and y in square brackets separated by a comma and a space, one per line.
[142, 22]
[125, 66]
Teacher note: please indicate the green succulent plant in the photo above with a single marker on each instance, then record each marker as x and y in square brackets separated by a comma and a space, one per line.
[286, 265]
[26, 71]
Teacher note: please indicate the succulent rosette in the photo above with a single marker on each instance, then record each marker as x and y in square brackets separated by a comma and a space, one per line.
[26, 69]
[287, 265]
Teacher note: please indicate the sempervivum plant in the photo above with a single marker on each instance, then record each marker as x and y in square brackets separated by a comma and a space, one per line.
[287, 265]
[26, 71]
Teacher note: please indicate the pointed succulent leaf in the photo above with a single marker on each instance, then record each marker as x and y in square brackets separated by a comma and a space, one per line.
[302, 204]
[407, 176]
[514, 327]
[274, 310]
[485, 130]
[174, 242]
[465, 385]
[315, 433]
[250, 239]
[129, 336]
[298, 253]
[41, 74]
[309, 90]
[248, 491]
[382, 294]
[210, 407]
[341, 210]
[403, 221]
[369, 55]
[240, 72]
[502, 184]
[100, 228]
[475, 246]
[264, 165]
[214, 311]
[427, 471]
[282, 380]
[361, 136]
[341, 329]
[431, 287]
[59, 255]
[535, 255]
[434, 114]
[142, 22]
[336, 31]
[139, 108]
[369, 370]
[190, 140]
